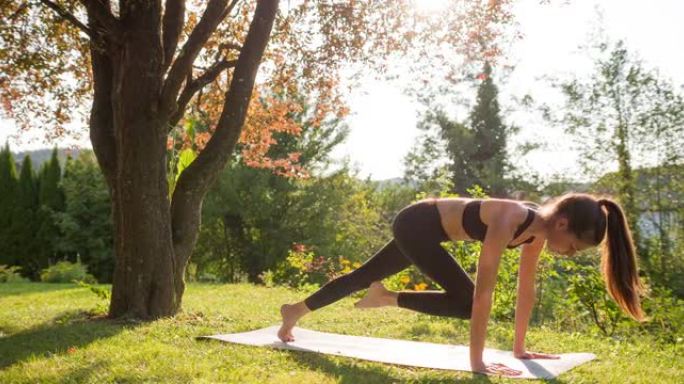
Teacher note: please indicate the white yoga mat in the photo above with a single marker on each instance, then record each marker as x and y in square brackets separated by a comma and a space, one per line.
[403, 352]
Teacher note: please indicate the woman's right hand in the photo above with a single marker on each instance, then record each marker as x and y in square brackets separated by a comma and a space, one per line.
[496, 369]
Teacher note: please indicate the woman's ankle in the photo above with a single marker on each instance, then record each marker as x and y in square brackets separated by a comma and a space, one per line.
[302, 308]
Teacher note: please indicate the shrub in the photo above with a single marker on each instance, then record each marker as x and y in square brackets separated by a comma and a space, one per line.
[301, 268]
[66, 272]
[665, 313]
[10, 274]
[586, 290]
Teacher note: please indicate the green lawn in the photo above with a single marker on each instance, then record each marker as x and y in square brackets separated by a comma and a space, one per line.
[46, 335]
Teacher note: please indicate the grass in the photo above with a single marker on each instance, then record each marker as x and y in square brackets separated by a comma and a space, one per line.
[48, 336]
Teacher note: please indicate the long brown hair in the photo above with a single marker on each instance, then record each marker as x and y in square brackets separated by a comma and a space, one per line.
[591, 224]
[618, 261]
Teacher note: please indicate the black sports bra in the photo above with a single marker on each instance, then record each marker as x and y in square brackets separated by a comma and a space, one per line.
[476, 229]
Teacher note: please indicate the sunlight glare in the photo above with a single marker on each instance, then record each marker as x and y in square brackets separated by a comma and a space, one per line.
[430, 6]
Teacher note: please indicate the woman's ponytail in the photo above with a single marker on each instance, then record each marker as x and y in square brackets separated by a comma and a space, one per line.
[618, 262]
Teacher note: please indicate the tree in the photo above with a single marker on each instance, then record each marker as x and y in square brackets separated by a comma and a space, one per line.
[86, 223]
[476, 150]
[143, 63]
[490, 135]
[24, 217]
[50, 202]
[8, 187]
[623, 115]
[253, 215]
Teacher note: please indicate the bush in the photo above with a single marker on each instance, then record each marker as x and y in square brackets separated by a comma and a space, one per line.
[66, 272]
[301, 268]
[665, 313]
[10, 274]
[586, 291]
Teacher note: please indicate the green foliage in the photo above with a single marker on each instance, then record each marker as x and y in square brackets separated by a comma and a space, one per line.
[11, 274]
[302, 270]
[66, 272]
[180, 155]
[251, 216]
[8, 187]
[467, 255]
[624, 116]
[659, 192]
[186, 157]
[25, 220]
[475, 150]
[665, 314]
[50, 193]
[51, 201]
[85, 224]
[586, 290]
[216, 257]
[103, 293]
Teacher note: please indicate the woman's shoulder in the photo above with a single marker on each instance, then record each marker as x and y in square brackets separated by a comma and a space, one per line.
[505, 211]
[530, 204]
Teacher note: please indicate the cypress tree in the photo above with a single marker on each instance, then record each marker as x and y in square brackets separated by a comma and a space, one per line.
[51, 194]
[489, 137]
[8, 186]
[24, 222]
[86, 223]
[477, 149]
[51, 201]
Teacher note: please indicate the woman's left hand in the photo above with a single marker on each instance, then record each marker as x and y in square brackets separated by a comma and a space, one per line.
[535, 355]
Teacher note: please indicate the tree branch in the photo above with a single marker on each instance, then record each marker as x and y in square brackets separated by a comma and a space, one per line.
[174, 18]
[193, 86]
[66, 15]
[101, 113]
[196, 180]
[105, 27]
[213, 15]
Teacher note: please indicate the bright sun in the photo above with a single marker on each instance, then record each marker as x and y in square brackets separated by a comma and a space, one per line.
[430, 6]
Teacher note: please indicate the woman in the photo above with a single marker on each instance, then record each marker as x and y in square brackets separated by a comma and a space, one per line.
[570, 223]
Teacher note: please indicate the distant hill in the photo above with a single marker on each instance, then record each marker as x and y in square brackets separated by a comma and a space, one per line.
[39, 156]
[384, 183]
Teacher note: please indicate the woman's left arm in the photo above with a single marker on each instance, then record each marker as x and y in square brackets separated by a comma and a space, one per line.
[529, 258]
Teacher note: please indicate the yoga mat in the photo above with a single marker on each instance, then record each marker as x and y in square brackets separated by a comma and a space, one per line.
[403, 352]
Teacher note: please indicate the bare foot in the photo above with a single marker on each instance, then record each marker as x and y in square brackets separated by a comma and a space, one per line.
[377, 296]
[290, 313]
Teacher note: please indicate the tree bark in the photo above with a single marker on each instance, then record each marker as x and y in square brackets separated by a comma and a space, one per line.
[143, 282]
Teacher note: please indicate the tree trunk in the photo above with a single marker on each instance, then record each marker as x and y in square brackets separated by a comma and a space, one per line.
[144, 285]
[133, 107]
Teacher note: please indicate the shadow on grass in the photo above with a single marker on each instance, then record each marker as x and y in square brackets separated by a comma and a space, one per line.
[68, 329]
[84, 373]
[347, 371]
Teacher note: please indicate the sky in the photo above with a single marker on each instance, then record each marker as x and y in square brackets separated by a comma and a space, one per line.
[382, 113]
[552, 33]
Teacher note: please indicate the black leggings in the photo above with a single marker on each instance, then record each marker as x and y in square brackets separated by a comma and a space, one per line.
[417, 237]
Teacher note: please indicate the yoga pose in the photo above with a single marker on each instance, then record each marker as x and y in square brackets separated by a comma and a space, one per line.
[567, 224]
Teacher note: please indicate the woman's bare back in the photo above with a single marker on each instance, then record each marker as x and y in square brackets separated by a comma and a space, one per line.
[451, 214]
